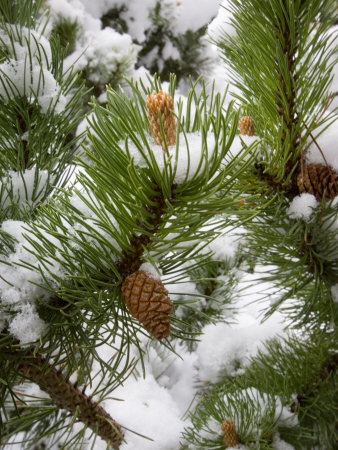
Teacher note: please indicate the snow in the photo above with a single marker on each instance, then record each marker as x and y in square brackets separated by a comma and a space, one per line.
[154, 406]
[27, 326]
[146, 400]
[194, 14]
[301, 207]
[152, 271]
[186, 289]
[103, 54]
[226, 349]
[73, 11]
[326, 139]
[19, 286]
[23, 188]
[182, 15]
[334, 292]
[28, 73]
[332, 34]
[136, 17]
[17, 289]
[188, 158]
[279, 444]
[225, 246]
[221, 23]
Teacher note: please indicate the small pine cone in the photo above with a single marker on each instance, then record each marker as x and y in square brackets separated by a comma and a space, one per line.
[246, 125]
[319, 180]
[163, 102]
[148, 301]
[230, 435]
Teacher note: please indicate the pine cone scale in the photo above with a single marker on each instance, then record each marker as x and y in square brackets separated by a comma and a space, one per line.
[161, 103]
[148, 301]
[246, 126]
[230, 434]
[318, 180]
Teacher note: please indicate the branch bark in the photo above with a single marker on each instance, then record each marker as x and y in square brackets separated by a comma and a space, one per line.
[67, 396]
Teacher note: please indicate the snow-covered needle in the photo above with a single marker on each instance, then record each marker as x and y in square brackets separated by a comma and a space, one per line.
[161, 102]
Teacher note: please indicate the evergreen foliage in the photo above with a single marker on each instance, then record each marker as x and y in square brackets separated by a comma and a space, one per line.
[78, 216]
[86, 239]
[310, 392]
[189, 48]
[288, 108]
[281, 57]
[37, 140]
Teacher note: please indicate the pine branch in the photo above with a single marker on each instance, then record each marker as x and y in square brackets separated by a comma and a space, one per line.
[137, 212]
[271, 58]
[327, 371]
[286, 93]
[67, 396]
[132, 260]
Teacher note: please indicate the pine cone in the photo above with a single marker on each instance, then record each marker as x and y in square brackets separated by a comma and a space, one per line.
[319, 180]
[163, 102]
[230, 435]
[148, 301]
[246, 125]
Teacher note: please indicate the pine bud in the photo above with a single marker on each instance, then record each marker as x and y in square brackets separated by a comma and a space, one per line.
[161, 102]
[246, 125]
[319, 180]
[230, 435]
[148, 301]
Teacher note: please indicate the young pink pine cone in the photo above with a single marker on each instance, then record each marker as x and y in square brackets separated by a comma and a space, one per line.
[230, 435]
[246, 126]
[161, 102]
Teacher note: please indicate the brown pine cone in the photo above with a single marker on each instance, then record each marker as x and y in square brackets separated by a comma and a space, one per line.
[163, 102]
[246, 125]
[230, 435]
[319, 180]
[147, 300]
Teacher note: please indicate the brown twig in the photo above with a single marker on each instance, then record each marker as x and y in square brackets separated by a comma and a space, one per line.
[67, 396]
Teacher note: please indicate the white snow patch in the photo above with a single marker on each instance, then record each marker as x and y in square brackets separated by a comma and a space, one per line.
[154, 414]
[239, 142]
[73, 11]
[226, 348]
[334, 292]
[211, 429]
[14, 228]
[225, 246]
[26, 325]
[328, 143]
[221, 23]
[136, 16]
[186, 289]
[19, 285]
[152, 271]
[188, 160]
[104, 53]
[23, 188]
[27, 71]
[279, 444]
[301, 207]
[194, 14]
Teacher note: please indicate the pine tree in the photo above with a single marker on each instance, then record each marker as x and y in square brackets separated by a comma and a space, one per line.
[99, 230]
[82, 256]
[280, 54]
